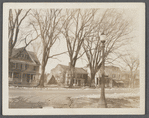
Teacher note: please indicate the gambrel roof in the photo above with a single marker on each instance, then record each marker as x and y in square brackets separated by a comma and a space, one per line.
[32, 55]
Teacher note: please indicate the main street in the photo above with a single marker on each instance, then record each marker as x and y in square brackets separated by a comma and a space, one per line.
[52, 97]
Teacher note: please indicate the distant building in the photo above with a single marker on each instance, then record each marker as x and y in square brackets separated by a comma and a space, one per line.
[52, 80]
[126, 77]
[112, 77]
[62, 75]
[136, 79]
[23, 67]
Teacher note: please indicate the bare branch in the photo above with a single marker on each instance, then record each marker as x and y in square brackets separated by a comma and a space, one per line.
[57, 54]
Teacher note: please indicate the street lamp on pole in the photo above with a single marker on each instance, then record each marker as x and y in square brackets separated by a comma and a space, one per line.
[102, 101]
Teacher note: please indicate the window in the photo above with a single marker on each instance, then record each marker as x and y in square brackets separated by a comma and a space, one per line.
[24, 75]
[23, 67]
[18, 65]
[34, 67]
[13, 65]
[26, 66]
[16, 75]
[10, 74]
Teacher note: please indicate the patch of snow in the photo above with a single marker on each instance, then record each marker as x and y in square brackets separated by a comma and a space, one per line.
[48, 107]
[115, 95]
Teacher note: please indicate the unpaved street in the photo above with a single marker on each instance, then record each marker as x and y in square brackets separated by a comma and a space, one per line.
[65, 98]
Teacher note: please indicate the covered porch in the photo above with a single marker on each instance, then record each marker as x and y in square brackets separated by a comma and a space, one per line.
[21, 77]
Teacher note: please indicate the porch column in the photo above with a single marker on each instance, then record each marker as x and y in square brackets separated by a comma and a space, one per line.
[74, 82]
[69, 81]
[33, 77]
[21, 78]
[83, 82]
[77, 82]
[30, 79]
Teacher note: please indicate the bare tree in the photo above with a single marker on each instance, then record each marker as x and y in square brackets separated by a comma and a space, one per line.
[132, 63]
[48, 24]
[37, 48]
[116, 28]
[77, 26]
[16, 17]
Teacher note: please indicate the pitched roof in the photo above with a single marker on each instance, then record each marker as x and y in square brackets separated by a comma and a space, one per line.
[113, 68]
[34, 57]
[77, 69]
[32, 54]
[16, 50]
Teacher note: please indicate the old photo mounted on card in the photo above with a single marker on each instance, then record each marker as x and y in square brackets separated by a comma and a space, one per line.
[73, 58]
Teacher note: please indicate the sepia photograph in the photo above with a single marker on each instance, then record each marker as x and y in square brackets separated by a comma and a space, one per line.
[73, 58]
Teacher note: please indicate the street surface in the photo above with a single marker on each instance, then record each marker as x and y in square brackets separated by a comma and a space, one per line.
[57, 97]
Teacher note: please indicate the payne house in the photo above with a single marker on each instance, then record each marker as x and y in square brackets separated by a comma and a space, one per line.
[23, 67]
[62, 74]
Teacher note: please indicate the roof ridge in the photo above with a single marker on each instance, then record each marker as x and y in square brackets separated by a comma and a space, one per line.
[68, 66]
[22, 48]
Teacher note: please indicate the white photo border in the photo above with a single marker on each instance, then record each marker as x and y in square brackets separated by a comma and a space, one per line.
[77, 111]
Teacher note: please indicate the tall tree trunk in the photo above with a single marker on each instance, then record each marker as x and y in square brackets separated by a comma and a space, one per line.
[41, 82]
[92, 78]
[72, 76]
[132, 81]
[131, 84]
[10, 53]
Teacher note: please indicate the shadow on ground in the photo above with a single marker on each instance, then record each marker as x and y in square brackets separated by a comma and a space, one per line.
[131, 102]
[20, 102]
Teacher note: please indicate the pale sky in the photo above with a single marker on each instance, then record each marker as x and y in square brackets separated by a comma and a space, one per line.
[60, 46]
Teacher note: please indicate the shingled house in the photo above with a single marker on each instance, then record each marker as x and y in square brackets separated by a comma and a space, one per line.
[23, 67]
[63, 75]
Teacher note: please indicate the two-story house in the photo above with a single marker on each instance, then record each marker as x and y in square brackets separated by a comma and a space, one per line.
[23, 66]
[113, 77]
[126, 76]
[62, 75]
